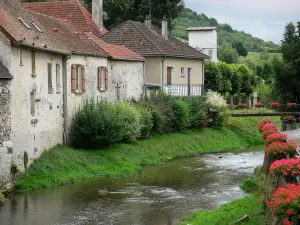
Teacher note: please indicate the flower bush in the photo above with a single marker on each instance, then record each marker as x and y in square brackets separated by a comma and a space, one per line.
[276, 137]
[286, 167]
[291, 105]
[269, 126]
[259, 105]
[279, 150]
[266, 133]
[290, 118]
[285, 202]
[262, 124]
[274, 105]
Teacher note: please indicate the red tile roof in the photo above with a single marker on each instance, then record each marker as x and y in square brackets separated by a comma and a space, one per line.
[69, 10]
[17, 24]
[115, 51]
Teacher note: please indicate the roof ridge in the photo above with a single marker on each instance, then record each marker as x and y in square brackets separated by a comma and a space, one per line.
[80, 8]
[133, 23]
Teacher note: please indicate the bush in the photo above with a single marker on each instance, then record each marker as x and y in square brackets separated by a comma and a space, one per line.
[181, 115]
[250, 185]
[100, 124]
[242, 106]
[146, 121]
[197, 112]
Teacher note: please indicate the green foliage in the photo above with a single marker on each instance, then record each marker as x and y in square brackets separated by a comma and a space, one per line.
[240, 48]
[228, 213]
[250, 185]
[264, 54]
[14, 170]
[248, 78]
[181, 115]
[63, 164]
[227, 54]
[213, 77]
[197, 115]
[146, 121]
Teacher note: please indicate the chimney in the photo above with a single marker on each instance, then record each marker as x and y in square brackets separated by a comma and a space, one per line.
[164, 28]
[148, 22]
[97, 13]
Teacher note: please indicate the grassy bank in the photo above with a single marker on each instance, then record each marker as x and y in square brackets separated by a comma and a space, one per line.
[228, 213]
[63, 164]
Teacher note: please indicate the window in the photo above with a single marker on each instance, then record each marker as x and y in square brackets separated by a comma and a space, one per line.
[102, 78]
[33, 64]
[57, 78]
[50, 87]
[32, 103]
[78, 78]
[182, 70]
[21, 56]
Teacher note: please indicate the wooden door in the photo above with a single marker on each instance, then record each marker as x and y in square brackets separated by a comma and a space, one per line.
[169, 75]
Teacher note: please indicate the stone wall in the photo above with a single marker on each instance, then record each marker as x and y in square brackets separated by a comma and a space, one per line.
[6, 149]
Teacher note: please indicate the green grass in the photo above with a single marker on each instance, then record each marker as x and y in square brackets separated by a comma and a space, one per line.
[256, 55]
[250, 185]
[250, 205]
[63, 164]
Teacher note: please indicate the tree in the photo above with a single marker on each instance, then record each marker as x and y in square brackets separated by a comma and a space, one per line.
[236, 83]
[213, 77]
[226, 27]
[119, 11]
[248, 79]
[264, 54]
[240, 48]
[227, 54]
[226, 76]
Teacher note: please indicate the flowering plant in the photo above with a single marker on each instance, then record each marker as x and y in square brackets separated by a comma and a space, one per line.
[269, 126]
[259, 105]
[288, 118]
[285, 202]
[291, 105]
[276, 137]
[266, 133]
[286, 167]
[274, 105]
[279, 150]
[262, 123]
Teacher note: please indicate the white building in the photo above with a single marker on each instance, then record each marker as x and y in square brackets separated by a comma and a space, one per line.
[204, 39]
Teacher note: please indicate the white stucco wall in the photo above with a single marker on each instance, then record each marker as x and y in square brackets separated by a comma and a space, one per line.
[205, 40]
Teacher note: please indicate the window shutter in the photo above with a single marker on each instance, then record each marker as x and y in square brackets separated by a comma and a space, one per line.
[83, 78]
[73, 78]
[106, 79]
[99, 77]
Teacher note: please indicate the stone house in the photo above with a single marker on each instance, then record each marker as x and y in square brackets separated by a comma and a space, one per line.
[171, 64]
[48, 67]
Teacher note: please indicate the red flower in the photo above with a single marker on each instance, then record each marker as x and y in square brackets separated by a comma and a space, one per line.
[266, 133]
[259, 105]
[291, 105]
[276, 137]
[279, 149]
[275, 105]
[262, 123]
[285, 167]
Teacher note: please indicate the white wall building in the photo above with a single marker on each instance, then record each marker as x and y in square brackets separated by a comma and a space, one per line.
[204, 39]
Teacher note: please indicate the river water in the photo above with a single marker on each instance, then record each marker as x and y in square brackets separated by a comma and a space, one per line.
[159, 195]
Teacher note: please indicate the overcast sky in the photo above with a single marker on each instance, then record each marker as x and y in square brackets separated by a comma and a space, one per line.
[265, 19]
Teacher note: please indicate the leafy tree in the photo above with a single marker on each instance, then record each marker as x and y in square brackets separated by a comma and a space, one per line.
[119, 11]
[264, 54]
[227, 54]
[213, 22]
[226, 27]
[248, 79]
[227, 73]
[213, 77]
[240, 48]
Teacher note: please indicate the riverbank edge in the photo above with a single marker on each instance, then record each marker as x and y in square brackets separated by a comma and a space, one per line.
[62, 165]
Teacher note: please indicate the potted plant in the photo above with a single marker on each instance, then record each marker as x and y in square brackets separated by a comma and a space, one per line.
[262, 123]
[269, 126]
[266, 133]
[288, 123]
[289, 168]
[274, 105]
[259, 105]
[280, 150]
[285, 203]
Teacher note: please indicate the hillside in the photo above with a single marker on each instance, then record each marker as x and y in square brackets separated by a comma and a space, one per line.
[226, 33]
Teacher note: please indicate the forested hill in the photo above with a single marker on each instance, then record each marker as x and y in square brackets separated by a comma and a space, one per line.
[188, 18]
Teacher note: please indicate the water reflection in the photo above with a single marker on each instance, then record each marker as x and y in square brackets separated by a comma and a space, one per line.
[157, 196]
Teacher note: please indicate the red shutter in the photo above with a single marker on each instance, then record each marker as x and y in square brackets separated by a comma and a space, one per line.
[99, 77]
[83, 78]
[106, 79]
[73, 78]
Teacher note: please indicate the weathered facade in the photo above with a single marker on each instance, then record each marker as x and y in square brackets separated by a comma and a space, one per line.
[53, 68]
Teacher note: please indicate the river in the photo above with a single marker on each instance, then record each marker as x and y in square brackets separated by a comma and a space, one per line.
[159, 195]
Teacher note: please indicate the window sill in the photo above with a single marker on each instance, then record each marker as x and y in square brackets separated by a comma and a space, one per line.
[57, 92]
[33, 75]
[182, 76]
[50, 91]
[78, 92]
[34, 121]
[102, 90]
[21, 64]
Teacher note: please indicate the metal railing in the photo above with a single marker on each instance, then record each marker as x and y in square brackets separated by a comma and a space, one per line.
[183, 89]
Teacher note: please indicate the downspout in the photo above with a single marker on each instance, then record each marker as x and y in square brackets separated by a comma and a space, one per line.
[162, 72]
[203, 71]
[144, 74]
[65, 99]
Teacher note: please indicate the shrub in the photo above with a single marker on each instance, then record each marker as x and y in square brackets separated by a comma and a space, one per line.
[274, 105]
[146, 121]
[262, 124]
[269, 126]
[290, 118]
[286, 167]
[218, 114]
[250, 185]
[280, 150]
[100, 124]
[291, 105]
[197, 112]
[277, 137]
[285, 202]
[259, 105]
[181, 115]
[242, 106]
[266, 133]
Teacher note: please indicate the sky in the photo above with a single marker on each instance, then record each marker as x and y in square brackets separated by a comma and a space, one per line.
[265, 19]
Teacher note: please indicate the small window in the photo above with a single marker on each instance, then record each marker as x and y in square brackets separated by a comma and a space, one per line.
[102, 78]
[36, 27]
[21, 56]
[78, 77]
[33, 71]
[24, 23]
[32, 103]
[182, 70]
[50, 86]
[57, 78]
